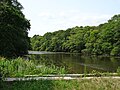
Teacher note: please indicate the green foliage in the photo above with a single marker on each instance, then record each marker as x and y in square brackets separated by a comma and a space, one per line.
[84, 84]
[115, 51]
[20, 67]
[118, 71]
[13, 3]
[14, 40]
[97, 40]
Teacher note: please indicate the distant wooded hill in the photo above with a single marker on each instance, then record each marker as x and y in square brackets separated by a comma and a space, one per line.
[98, 40]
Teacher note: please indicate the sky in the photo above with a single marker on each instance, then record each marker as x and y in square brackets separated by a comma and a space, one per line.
[53, 15]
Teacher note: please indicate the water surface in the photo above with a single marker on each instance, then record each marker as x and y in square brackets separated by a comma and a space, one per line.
[76, 63]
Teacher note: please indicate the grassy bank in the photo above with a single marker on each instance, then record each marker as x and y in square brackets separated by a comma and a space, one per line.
[92, 84]
[20, 67]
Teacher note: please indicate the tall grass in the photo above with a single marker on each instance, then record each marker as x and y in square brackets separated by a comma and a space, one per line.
[91, 84]
[20, 67]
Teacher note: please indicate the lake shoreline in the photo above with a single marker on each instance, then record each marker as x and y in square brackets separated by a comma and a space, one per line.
[48, 52]
[63, 77]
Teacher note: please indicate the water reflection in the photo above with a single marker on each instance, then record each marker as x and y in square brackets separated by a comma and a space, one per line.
[75, 63]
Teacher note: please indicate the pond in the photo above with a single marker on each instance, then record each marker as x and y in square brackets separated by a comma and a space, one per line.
[77, 63]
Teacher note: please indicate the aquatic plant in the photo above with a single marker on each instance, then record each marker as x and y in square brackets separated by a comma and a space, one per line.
[20, 67]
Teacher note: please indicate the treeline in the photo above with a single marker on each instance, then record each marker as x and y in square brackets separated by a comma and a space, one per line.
[14, 40]
[98, 40]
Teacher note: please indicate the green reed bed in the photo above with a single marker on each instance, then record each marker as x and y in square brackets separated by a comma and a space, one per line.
[91, 84]
[20, 67]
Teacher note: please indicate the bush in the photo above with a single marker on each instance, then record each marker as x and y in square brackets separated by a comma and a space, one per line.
[115, 51]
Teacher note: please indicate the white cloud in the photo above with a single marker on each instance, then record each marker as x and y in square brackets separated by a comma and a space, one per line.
[44, 14]
[52, 21]
[74, 19]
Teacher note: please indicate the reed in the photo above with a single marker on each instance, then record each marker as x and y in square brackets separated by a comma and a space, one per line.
[20, 67]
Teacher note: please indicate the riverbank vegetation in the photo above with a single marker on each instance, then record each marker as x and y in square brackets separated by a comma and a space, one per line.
[98, 40]
[85, 84]
[19, 68]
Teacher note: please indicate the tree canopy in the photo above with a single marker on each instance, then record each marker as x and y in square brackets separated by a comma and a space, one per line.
[14, 40]
[98, 40]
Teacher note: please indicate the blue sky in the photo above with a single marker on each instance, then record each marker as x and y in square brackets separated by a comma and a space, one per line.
[52, 15]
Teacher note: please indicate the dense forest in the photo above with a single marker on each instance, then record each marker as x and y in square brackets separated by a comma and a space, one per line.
[98, 40]
[14, 40]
